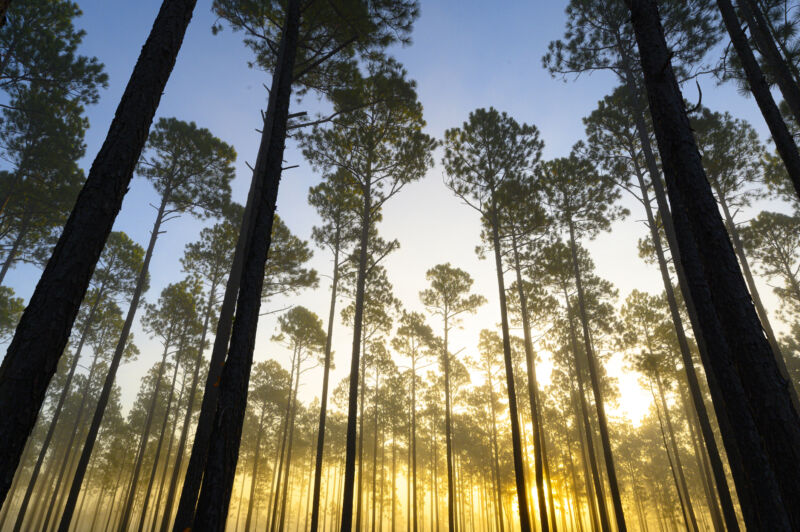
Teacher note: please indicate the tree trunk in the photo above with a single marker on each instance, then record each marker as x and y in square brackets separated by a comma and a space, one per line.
[519, 466]
[681, 499]
[447, 433]
[361, 403]
[282, 518]
[108, 385]
[56, 414]
[187, 420]
[413, 505]
[12, 254]
[533, 392]
[759, 30]
[323, 408]
[43, 330]
[227, 428]
[720, 295]
[352, 408]
[254, 476]
[678, 465]
[157, 515]
[587, 433]
[726, 502]
[495, 454]
[375, 444]
[784, 142]
[278, 470]
[66, 461]
[596, 390]
[154, 470]
[137, 468]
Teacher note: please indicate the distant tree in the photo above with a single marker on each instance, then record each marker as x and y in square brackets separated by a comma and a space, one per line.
[176, 322]
[33, 355]
[413, 339]
[191, 170]
[43, 144]
[773, 240]
[269, 391]
[39, 45]
[299, 330]
[582, 204]
[448, 297]
[104, 326]
[525, 226]
[490, 346]
[10, 310]
[114, 280]
[336, 201]
[642, 318]
[390, 151]
[489, 151]
[207, 260]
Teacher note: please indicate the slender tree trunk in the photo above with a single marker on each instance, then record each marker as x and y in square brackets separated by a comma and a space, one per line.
[717, 285]
[352, 409]
[413, 505]
[597, 392]
[689, 509]
[227, 428]
[57, 413]
[681, 495]
[154, 469]
[12, 254]
[323, 408]
[784, 142]
[137, 468]
[157, 513]
[702, 463]
[290, 446]
[587, 433]
[187, 420]
[254, 475]
[361, 403]
[533, 392]
[116, 358]
[448, 427]
[66, 462]
[43, 330]
[495, 454]
[279, 465]
[519, 466]
[759, 30]
[375, 444]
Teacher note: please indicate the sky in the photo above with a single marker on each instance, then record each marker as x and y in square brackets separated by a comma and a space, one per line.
[465, 54]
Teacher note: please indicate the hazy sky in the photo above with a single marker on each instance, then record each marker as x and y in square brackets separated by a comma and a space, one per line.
[465, 54]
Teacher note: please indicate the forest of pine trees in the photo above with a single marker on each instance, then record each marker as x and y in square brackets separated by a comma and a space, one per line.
[208, 332]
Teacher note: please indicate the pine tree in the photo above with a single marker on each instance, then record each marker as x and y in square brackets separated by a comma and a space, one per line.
[33, 354]
[488, 151]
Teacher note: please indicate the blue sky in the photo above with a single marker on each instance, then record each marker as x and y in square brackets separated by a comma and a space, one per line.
[465, 54]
